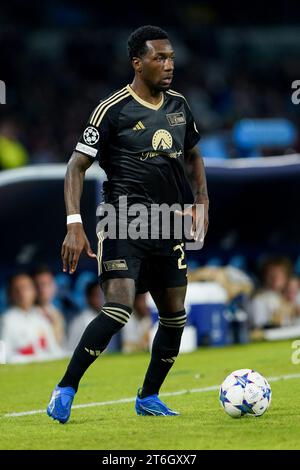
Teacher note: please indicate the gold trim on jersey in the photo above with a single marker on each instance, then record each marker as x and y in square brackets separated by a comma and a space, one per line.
[105, 105]
[143, 102]
[112, 103]
[117, 93]
[100, 236]
[175, 93]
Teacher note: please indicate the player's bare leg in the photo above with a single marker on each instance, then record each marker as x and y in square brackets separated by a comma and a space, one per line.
[120, 290]
[169, 300]
[165, 348]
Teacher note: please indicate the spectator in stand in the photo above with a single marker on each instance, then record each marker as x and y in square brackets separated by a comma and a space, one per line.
[94, 299]
[25, 331]
[291, 295]
[46, 290]
[268, 307]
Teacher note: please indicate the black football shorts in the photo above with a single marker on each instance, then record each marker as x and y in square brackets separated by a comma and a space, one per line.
[153, 264]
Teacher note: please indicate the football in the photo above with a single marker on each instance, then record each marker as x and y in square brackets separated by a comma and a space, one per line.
[245, 392]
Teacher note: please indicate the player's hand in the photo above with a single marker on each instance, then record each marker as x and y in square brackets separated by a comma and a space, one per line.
[74, 243]
[205, 203]
[200, 220]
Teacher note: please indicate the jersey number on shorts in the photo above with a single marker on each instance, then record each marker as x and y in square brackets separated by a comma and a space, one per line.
[181, 264]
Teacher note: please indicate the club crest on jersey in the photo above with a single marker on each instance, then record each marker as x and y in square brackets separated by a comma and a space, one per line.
[176, 119]
[162, 140]
[91, 135]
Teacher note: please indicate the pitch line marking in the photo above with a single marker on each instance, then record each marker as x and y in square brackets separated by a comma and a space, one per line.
[130, 400]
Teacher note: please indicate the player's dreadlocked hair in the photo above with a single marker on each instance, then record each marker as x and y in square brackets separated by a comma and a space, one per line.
[137, 40]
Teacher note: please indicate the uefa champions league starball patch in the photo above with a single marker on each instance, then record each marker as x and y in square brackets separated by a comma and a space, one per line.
[91, 135]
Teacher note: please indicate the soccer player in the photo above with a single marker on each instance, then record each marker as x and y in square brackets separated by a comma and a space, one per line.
[144, 137]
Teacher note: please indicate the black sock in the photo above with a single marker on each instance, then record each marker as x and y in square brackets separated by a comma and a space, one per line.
[98, 333]
[165, 349]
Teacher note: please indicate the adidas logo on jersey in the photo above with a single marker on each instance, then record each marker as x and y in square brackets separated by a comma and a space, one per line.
[139, 126]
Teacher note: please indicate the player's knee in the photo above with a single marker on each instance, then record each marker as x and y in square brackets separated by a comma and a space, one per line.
[174, 321]
[170, 300]
[120, 290]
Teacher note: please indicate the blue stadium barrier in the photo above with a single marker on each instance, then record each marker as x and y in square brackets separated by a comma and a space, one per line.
[215, 261]
[213, 146]
[211, 323]
[297, 266]
[238, 261]
[255, 133]
[206, 306]
[3, 299]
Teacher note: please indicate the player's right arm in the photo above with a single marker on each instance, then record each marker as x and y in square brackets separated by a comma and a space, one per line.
[91, 146]
[76, 240]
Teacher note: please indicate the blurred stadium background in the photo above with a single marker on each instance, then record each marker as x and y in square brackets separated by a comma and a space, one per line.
[236, 68]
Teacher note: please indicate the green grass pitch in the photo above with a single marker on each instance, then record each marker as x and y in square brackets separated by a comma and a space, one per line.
[201, 425]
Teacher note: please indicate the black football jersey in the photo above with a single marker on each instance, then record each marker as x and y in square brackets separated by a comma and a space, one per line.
[141, 147]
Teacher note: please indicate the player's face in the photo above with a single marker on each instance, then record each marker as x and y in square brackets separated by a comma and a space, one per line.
[157, 65]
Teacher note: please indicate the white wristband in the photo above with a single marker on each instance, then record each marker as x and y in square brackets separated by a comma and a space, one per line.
[74, 219]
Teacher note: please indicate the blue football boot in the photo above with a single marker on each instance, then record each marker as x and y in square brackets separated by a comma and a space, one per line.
[60, 404]
[152, 406]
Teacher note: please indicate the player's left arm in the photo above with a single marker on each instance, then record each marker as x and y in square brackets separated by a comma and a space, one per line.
[196, 172]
